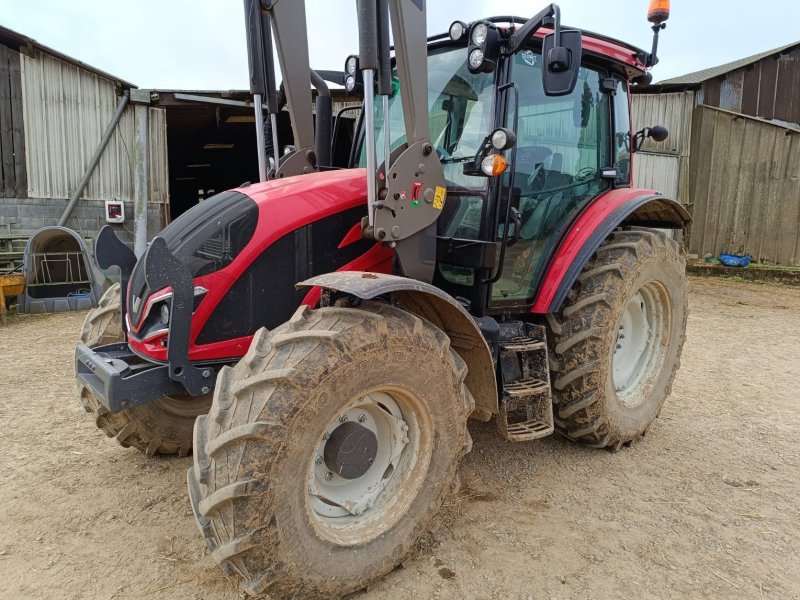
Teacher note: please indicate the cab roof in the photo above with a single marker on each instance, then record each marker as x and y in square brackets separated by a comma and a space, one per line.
[630, 57]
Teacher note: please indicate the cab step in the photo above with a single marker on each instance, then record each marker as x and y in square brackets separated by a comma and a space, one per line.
[526, 405]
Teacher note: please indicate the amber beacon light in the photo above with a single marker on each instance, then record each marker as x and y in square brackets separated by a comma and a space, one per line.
[658, 11]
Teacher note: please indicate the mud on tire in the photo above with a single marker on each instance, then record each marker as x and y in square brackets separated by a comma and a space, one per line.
[250, 484]
[163, 426]
[592, 404]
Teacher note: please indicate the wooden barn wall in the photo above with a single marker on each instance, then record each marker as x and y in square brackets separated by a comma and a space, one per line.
[664, 166]
[13, 176]
[67, 109]
[766, 89]
[745, 187]
[673, 111]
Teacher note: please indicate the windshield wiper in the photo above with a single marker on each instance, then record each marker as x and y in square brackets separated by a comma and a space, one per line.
[455, 159]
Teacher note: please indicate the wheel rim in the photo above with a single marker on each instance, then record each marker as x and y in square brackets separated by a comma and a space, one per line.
[354, 507]
[641, 343]
[185, 405]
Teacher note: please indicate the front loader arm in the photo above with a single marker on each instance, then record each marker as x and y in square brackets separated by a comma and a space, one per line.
[288, 21]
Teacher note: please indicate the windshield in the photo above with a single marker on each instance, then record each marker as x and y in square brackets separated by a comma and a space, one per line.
[460, 106]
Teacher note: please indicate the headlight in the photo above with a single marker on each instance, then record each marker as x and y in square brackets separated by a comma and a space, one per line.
[165, 314]
[350, 83]
[479, 33]
[476, 58]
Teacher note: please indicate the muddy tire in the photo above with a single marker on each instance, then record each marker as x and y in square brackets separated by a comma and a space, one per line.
[265, 500]
[163, 426]
[616, 344]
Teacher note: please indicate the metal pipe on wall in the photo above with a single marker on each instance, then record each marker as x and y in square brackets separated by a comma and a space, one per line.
[141, 177]
[98, 154]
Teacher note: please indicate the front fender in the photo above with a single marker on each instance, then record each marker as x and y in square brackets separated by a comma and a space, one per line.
[434, 305]
[619, 207]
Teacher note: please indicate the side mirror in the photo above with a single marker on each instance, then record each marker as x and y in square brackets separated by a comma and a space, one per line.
[561, 63]
[658, 133]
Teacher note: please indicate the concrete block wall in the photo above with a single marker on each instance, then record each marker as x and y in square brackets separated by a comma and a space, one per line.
[25, 215]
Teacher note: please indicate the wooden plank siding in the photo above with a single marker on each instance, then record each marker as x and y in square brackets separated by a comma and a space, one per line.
[13, 177]
[745, 187]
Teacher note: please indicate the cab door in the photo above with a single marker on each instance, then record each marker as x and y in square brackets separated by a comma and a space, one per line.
[563, 143]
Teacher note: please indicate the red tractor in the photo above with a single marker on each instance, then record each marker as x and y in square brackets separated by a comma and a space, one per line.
[483, 255]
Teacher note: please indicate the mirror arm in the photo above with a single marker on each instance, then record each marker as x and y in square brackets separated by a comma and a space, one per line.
[520, 37]
[638, 140]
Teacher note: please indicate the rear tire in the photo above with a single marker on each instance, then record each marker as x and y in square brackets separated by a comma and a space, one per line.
[256, 483]
[616, 344]
[163, 426]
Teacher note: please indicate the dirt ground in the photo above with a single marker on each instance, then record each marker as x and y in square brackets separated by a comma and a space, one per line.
[707, 505]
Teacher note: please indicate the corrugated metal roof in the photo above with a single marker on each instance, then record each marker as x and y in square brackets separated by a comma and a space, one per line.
[699, 77]
[11, 38]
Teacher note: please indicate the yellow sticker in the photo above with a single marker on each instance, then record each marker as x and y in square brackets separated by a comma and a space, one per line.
[438, 198]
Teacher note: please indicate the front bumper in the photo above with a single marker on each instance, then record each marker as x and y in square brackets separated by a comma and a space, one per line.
[120, 379]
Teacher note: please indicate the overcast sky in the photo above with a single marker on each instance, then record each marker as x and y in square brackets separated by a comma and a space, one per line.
[200, 44]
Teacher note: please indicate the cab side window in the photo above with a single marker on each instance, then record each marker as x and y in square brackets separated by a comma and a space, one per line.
[622, 135]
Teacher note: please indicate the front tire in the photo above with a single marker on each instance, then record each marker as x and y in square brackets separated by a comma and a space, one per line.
[616, 344]
[268, 501]
[163, 426]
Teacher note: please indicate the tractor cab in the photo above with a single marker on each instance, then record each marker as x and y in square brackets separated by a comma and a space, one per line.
[507, 210]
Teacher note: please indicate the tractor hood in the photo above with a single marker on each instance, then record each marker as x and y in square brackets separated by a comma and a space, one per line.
[245, 249]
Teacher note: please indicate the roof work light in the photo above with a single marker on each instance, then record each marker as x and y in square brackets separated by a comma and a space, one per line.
[484, 47]
[457, 30]
[352, 74]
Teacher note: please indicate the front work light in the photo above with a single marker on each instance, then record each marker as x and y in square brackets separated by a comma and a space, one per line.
[503, 139]
[350, 84]
[165, 314]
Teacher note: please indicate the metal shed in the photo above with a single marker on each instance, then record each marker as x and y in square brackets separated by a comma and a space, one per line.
[732, 154]
[54, 112]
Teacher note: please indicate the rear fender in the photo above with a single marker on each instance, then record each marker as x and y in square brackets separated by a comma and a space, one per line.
[434, 305]
[620, 207]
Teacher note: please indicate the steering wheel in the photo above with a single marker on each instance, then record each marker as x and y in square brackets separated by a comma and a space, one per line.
[585, 174]
[537, 171]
